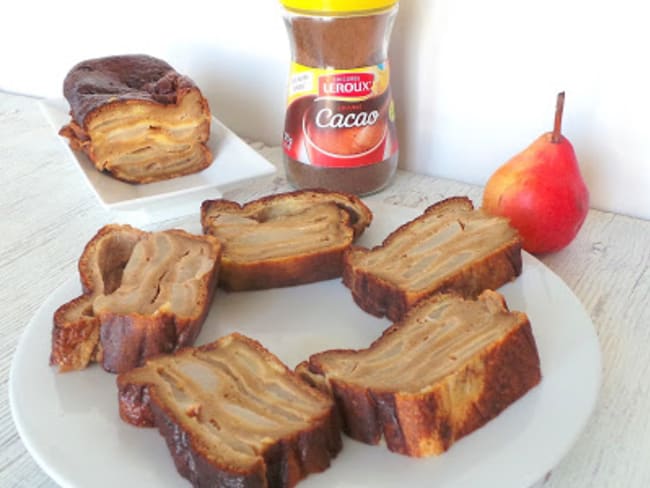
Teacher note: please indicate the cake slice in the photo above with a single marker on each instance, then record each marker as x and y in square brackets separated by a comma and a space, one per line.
[450, 247]
[284, 239]
[444, 371]
[143, 294]
[136, 118]
[233, 415]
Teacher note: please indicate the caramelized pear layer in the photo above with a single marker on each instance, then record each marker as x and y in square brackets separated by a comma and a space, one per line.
[156, 287]
[450, 247]
[144, 142]
[440, 337]
[232, 397]
[268, 235]
[163, 274]
[284, 239]
[445, 370]
[434, 249]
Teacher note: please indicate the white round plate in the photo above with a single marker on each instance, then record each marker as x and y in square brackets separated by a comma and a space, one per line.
[70, 422]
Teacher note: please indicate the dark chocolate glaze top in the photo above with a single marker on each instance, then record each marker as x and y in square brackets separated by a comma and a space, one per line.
[96, 82]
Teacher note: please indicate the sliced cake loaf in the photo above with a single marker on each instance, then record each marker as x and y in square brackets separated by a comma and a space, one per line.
[233, 415]
[143, 294]
[285, 239]
[450, 247]
[136, 118]
[445, 370]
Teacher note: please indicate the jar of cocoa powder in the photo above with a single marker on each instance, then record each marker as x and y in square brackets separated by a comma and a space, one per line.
[339, 129]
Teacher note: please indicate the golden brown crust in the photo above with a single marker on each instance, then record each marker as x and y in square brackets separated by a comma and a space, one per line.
[360, 214]
[114, 250]
[75, 331]
[289, 271]
[74, 344]
[282, 462]
[95, 84]
[382, 297]
[429, 421]
[190, 461]
[292, 268]
[118, 340]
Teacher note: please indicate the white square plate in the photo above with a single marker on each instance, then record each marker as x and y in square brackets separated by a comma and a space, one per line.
[234, 162]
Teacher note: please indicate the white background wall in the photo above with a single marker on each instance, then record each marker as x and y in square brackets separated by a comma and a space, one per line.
[474, 81]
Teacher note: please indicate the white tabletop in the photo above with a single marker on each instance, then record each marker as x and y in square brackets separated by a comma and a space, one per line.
[48, 214]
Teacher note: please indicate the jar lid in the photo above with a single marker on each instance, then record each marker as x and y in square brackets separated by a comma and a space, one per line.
[337, 6]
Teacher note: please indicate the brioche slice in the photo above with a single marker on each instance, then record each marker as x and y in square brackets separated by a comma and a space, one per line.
[450, 247]
[136, 118]
[285, 239]
[143, 294]
[444, 371]
[233, 415]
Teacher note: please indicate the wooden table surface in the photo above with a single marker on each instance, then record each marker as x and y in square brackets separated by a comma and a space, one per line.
[49, 213]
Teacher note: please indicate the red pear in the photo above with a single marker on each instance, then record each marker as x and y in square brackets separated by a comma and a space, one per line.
[541, 191]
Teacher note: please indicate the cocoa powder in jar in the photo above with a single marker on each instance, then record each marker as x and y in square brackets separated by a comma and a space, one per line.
[340, 43]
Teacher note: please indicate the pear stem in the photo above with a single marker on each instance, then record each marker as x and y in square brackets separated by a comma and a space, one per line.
[557, 126]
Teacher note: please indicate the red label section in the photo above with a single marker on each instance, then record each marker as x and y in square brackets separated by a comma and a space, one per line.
[352, 85]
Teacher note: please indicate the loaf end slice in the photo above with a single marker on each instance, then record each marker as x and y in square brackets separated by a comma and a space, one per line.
[451, 247]
[285, 239]
[136, 118]
[233, 415]
[143, 294]
[444, 371]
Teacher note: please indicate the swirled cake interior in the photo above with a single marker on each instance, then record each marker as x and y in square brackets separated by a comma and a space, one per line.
[233, 414]
[143, 293]
[262, 235]
[434, 249]
[284, 239]
[450, 247]
[136, 118]
[440, 337]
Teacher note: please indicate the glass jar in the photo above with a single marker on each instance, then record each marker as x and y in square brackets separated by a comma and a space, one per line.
[339, 131]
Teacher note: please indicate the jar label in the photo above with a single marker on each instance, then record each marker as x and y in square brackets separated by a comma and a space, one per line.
[339, 118]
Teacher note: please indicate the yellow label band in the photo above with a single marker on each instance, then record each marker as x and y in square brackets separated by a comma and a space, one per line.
[347, 84]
